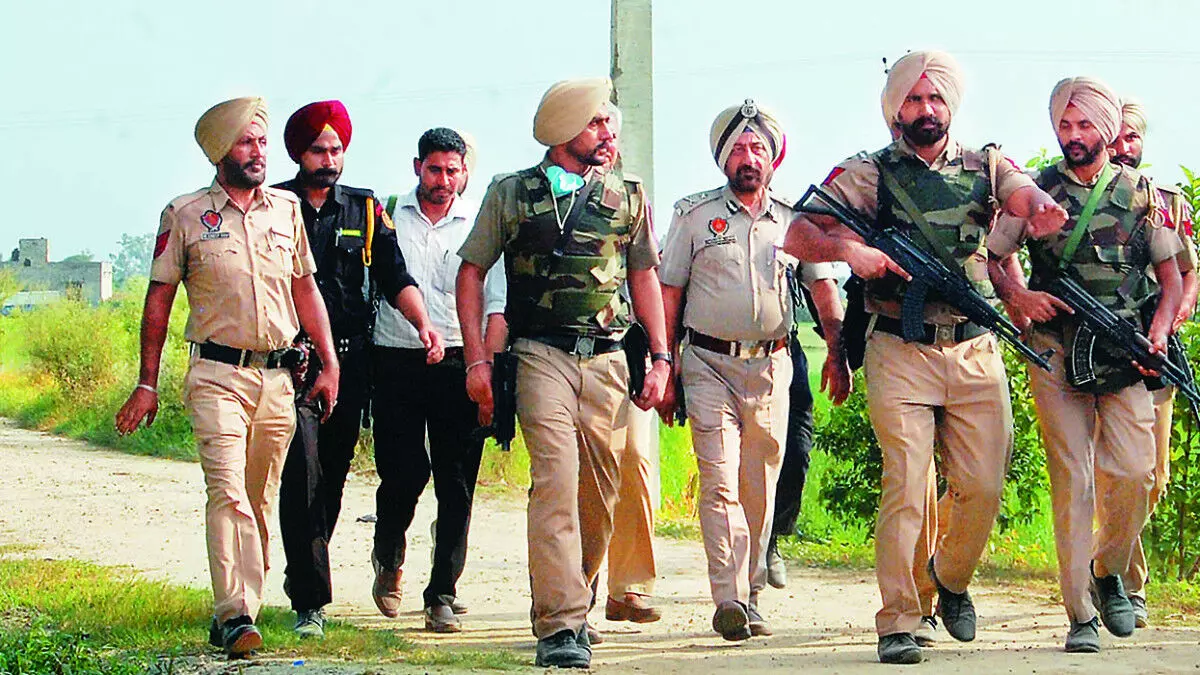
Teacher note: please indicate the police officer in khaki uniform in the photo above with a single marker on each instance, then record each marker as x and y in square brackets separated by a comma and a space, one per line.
[1099, 436]
[727, 300]
[1127, 150]
[241, 251]
[571, 233]
[951, 385]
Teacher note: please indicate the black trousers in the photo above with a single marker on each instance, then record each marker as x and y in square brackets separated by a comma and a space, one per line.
[410, 398]
[314, 474]
[790, 486]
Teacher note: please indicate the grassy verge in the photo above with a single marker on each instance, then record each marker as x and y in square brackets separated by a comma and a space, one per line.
[73, 617]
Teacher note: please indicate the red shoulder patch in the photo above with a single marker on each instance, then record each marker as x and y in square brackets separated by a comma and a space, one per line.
[837, 171]
[1166, 216]
[160, 243]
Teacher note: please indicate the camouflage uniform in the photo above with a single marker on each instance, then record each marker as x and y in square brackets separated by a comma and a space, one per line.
[950, 388]
[566, 316]
[1099, 443]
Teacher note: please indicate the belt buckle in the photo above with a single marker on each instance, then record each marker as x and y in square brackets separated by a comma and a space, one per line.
[943, 334]
[585, 346]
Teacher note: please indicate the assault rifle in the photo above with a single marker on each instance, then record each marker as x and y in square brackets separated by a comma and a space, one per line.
[1096, 320]
[928, 273]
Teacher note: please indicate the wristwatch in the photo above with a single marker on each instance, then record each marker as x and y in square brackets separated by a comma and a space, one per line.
[662, 356]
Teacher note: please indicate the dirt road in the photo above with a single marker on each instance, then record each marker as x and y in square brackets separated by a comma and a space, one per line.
[76, 501]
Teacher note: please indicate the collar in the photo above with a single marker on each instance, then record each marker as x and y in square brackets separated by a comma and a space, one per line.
[458, 208]
[951, 152]
[297, 188]
[546, 163]
[220, 197]
[1070, 174]
[734, 204]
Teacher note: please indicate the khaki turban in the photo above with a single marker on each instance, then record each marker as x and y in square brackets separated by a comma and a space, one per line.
[567, 107]
[941, 69]
[472, 154]
[1099, 104]
[223, 124]
[1133, 113]
[736, 120]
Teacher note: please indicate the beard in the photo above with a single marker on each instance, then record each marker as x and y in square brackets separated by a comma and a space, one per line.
[245, 176]
[435, 195]
[599, 155]
[924, 131]
[746, 179]
[1131, 161]
[321, 178]
[1077, 154]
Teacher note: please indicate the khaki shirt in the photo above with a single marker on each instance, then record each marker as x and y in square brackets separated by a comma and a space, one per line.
[1009, 233]
[237, 268]
[732, 265]
[1177, 215]
[499, 219]
[855, 182]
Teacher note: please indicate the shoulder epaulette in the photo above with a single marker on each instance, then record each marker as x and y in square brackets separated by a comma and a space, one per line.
[1169, 188]
[781, 198]
[282, 194]
[183, 200]
[358, 192]
[690, 202]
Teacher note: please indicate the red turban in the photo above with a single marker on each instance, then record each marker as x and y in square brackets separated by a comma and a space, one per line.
[307, 123]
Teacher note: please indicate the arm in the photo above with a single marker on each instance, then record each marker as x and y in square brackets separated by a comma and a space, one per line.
[818, 238]
[411, 304]
[1187, 303]
[468, 291]
[1031, 305]
[1167, 273]
[495, 334]
[1043, 215]
[156, 315]
[310, 308]
[646, 292]
[673, 298]
[835, 374]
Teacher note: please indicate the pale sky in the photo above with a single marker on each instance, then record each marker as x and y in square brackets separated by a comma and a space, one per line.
[100, 98]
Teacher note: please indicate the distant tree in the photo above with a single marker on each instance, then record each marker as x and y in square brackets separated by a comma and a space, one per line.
[83, 256]
[133, 259]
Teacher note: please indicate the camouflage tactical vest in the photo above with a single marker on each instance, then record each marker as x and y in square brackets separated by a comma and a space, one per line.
[955, 201]
[579, 291]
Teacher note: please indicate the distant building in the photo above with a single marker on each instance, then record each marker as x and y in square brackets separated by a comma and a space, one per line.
[45, 282]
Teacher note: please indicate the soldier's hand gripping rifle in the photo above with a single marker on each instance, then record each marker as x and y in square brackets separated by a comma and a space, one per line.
[504, 401]
[1096, 320]
[928, 273]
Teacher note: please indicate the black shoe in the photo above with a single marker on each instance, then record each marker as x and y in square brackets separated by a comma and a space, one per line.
[899, 648]
[758, 625]
[563, 650]
[1084, 638]
[1141, 615]
[732, 621]
[956, 609]
[215, 637]
[1108, 595]
[442, 619]
[240, 637]
[310, 623]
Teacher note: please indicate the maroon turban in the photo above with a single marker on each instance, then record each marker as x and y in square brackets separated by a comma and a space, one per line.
[307, 123]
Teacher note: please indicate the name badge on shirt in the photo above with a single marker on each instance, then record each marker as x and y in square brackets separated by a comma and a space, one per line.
[209, 236]
[211, 220]
[720, 228]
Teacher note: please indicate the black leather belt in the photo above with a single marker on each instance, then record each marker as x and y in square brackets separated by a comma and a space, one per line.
[579, 345]
[934, 334]
[743, 349]
[248, 358]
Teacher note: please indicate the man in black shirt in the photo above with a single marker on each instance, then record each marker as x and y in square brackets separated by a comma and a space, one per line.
[350, 236]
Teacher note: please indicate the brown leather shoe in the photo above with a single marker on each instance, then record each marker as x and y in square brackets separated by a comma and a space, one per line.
[387, 591]
[633, 608]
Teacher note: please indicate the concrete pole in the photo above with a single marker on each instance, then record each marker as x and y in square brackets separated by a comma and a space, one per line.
[632, 43]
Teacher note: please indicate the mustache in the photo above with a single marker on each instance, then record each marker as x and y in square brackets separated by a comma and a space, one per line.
[325, 172]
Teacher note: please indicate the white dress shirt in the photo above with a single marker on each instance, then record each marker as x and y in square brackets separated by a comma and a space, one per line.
[431, 255]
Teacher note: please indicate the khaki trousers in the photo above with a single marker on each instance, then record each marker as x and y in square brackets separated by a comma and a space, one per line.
[738, 410]
[1164, 408]
[574, 415]
[1100, 455]
[958, 395]
[243, 420]
[631, 551]
[937, 512]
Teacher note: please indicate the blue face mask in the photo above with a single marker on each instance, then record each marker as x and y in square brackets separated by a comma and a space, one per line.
[563, 182]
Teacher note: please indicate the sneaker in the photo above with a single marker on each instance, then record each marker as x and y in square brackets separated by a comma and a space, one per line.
[926, 634]
[732, 621]
[758, 625]
[1141, 615]
[899, 648]
[776, 569]
[1084, 638]
[310, 623]
[956, 609]
[632, 608]
[1108, 595]
[441, 619]
[563, 650]
[387, 590]
[239, 637]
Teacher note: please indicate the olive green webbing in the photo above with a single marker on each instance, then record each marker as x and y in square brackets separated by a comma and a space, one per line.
[918, 218]
[1106, 176]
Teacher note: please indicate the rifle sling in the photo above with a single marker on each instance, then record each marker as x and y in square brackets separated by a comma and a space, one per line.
[1085, 217]
[918, 218]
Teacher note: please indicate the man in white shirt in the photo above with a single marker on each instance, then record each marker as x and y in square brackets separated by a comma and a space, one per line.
[413, 397]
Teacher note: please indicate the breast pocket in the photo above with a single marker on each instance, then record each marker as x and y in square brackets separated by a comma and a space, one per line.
[722, 265]
[446, 273]
[281, 247]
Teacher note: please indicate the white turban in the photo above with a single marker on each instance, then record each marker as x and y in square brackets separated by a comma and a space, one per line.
[736, 120]
[567, 107]
[223, 124]
[941, 69]
[1099, 104]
